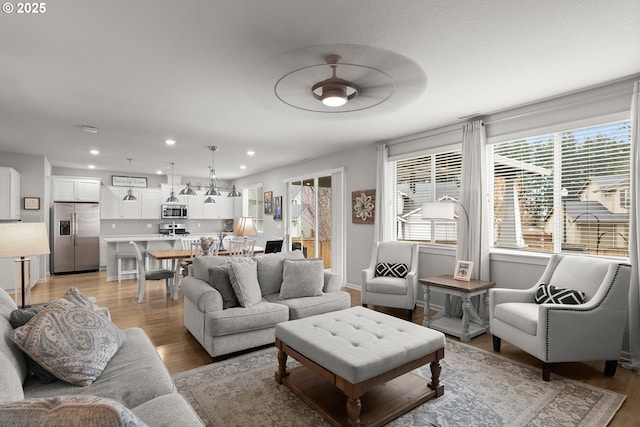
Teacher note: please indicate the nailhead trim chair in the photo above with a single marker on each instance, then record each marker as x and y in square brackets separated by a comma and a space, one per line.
[554, 333]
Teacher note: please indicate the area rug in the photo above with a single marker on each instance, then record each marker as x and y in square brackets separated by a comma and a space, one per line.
[481, 389]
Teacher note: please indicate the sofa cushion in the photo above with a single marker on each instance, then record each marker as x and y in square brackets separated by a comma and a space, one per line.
[270, 268]
[10, 381]
[14, 355]
[134, 375]
[169, 410]
[234, 320]
[20, 317]
[310, 306]
[550, 294]
[220, 280]
[201, 264]
[302, 278]
[244, 279]
[70, 339]
[68, 411]
[520, 315]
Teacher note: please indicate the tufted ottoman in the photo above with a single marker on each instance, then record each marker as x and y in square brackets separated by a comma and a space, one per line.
[357, 350]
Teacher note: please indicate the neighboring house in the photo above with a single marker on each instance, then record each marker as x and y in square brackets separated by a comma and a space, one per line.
[599, 221]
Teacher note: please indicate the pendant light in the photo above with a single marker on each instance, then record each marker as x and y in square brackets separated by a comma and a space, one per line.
[213, 188]
[234, 192]
[187, 191]
[172, 198]
[129, 197]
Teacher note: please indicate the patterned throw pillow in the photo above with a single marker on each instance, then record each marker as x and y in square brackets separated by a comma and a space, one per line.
[67, 411]
[69, 339]
[551, 294]
[392, 269]
[21, 317]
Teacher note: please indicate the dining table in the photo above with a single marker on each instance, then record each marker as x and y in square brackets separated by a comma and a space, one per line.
[183, 257]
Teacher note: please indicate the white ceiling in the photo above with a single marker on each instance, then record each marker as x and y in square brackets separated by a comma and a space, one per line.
[203, 72]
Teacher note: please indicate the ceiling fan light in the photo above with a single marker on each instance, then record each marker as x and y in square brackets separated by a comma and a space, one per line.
[334, 97]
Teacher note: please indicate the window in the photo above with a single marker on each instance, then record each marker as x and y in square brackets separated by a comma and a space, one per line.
[253, 205]
[429, 178]
[564, 192]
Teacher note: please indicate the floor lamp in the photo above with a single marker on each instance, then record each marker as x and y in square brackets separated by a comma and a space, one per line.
[21, 239]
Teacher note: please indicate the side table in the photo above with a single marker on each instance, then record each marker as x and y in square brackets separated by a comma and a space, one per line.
[471, 325]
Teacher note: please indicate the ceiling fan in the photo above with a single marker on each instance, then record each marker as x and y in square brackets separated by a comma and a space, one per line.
[334, 91]
[355, 77]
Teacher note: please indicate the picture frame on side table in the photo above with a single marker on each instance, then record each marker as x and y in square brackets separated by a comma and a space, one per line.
[463, 270]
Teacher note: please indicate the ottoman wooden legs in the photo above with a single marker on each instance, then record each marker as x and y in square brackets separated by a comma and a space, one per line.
[388, 395]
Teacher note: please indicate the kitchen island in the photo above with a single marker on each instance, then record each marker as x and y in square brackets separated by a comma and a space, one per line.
[111, 245]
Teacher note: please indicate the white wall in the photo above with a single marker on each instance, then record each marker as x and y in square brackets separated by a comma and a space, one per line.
[360, 174]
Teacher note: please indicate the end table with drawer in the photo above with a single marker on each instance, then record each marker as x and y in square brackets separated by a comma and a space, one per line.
[472, 324]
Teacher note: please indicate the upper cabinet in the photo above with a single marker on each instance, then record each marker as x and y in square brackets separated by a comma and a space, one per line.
[72, 189]
[147, 205]
[9, 194]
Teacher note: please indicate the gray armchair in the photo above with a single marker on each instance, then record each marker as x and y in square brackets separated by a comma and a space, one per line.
[553, 332]
[382, 288]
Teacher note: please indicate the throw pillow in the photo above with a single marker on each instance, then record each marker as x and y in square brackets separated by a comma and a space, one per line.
[244, 279]
[20, 317]
[68, 411]
[69, 339]
[392, 269]
[220, 280]
[302, 278]
[551, 294]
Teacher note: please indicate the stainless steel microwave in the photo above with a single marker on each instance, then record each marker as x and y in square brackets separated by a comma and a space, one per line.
[171, 211]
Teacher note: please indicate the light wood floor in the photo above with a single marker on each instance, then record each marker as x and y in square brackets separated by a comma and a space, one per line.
[161, 318]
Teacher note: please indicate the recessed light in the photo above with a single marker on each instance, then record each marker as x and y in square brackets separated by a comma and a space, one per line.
[94, 152]
[243, 166]
[170, 141]
[159, 172]
[92, 166]
[251, 153]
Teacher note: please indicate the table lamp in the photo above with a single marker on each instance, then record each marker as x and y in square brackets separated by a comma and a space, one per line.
[245, 228]
[20, 239]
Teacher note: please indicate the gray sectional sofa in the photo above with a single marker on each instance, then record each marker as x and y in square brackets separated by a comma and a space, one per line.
[290, 287]
[135, 378]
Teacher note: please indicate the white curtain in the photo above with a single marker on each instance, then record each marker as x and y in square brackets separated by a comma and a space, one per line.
[381, 206]
[634, 242]
[473, 241]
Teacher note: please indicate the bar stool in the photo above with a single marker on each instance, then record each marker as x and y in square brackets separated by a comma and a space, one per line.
[126, 256]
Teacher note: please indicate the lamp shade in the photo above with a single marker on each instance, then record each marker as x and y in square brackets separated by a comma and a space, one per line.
[245, 226]
[441, 211]
[18, 239]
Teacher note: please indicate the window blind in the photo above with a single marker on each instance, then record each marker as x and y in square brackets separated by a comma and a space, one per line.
[564, 192]
[422, 179]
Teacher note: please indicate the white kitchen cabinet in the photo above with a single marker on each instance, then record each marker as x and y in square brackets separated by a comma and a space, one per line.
[221, 209]
[9, 194]
[146, 207]
[73, 189]
[151, 203]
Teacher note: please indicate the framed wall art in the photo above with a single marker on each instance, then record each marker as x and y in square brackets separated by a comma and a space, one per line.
[268, 202]
[277, 208]
[128, 181]
[32, 203]
[363, 204]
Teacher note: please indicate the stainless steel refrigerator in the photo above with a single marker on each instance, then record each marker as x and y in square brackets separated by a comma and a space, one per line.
[75, 234]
